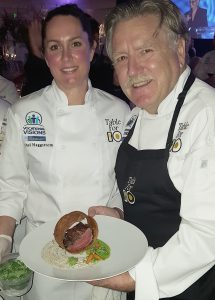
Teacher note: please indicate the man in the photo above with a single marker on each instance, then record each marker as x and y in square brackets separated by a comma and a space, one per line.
[169, 153]
[196, 17]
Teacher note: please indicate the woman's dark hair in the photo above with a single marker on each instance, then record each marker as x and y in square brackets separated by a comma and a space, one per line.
[68, 10]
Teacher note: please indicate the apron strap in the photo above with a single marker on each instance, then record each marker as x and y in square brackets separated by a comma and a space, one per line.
[179, 104]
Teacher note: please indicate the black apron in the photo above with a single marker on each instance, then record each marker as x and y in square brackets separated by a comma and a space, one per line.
[151, 201]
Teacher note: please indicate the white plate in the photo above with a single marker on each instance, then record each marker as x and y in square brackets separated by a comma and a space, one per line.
[128, 246]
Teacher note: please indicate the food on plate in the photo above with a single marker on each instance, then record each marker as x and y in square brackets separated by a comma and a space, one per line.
[75, 242]
[98, 251]
[60, 258]
[75, 232]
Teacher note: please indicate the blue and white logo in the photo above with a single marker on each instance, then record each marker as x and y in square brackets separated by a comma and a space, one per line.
[33, 118]
[34, 130]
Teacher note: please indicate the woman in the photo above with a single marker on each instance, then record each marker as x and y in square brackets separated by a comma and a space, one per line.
[165, 166]
[66, 136]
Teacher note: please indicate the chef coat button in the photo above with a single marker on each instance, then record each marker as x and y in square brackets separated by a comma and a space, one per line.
[60, 111]
[63, 147]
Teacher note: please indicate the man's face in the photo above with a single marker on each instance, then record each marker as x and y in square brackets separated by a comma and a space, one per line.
[147, 64]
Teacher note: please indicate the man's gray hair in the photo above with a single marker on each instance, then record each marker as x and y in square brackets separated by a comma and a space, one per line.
[166, 10]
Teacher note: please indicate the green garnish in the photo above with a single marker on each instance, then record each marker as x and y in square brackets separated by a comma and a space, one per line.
[13, 269]
[72, 260]
[100, 248]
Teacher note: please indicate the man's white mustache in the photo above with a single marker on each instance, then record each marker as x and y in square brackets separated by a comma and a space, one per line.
[137, 80]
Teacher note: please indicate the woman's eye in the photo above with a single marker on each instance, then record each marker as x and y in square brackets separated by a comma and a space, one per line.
[53, 47]
[76, 44]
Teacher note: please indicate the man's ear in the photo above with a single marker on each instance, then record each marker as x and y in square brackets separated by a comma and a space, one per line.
[181, 51]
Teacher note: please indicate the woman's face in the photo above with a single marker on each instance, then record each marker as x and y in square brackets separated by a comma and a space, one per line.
[67, 52]
[148, 65]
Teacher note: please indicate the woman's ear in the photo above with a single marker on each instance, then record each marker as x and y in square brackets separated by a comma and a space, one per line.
[92, 50]
[46, 61]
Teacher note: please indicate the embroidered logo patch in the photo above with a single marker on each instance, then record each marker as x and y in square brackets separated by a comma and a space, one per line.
[34, 130]
[128, 196]
[177, 141]
[113, 133]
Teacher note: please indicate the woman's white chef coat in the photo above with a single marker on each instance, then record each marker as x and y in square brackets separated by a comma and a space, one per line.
[58, 158]
[169, 270]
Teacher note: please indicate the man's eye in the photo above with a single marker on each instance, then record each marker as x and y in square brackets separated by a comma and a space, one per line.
[145, 51]
[119, 59]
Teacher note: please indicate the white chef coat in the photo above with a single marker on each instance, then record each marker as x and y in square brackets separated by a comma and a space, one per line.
[3, 110]
[8, 95]
[8, 90]
[169, 270]
[59, 158]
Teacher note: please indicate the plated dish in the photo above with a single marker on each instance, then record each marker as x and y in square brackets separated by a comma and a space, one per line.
[127, 245]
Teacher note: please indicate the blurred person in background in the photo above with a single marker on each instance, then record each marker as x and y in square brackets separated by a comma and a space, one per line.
[8, 96]
[205, 68]
[196, 17]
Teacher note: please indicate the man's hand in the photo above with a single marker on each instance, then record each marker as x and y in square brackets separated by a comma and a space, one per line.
[123, 283]
[5, 245]
[107, 211]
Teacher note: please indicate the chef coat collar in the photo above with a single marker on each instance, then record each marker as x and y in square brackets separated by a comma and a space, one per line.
[167, 106]
[62, 98]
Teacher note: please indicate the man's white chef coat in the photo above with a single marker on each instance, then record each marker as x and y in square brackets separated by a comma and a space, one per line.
[169, 270]
[58, 158]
